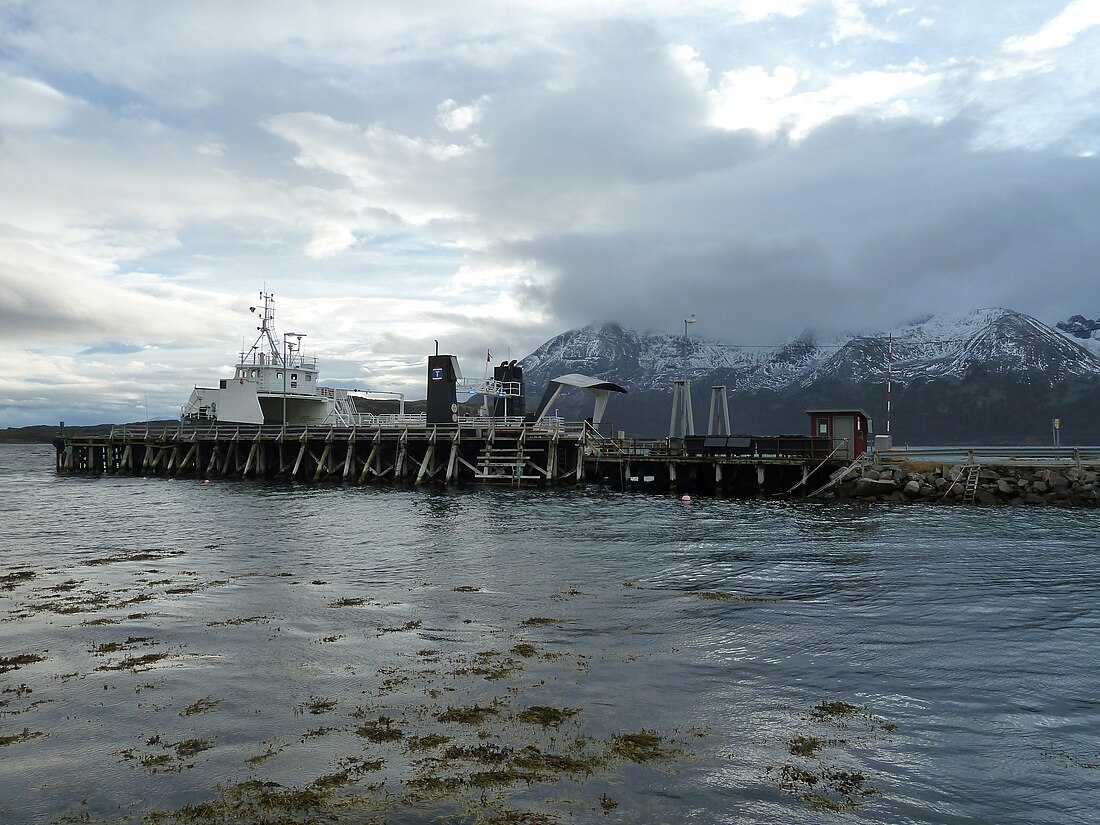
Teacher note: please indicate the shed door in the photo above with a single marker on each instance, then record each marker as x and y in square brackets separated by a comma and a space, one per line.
[844, 427]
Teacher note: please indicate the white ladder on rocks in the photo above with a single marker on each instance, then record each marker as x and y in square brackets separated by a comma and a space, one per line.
[970, 491]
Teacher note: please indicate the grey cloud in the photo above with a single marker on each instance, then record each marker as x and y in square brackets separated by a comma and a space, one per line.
[112, 348]
[862, 221]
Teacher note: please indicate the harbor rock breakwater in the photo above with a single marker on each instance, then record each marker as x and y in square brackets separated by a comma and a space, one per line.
[988, 484]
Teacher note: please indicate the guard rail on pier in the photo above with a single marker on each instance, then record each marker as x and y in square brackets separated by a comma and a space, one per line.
[1033, 456]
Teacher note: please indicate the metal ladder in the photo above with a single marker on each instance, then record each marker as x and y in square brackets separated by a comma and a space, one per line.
[502, 462]
[971, 489]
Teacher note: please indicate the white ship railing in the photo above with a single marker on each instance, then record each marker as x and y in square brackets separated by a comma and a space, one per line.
[490, 387]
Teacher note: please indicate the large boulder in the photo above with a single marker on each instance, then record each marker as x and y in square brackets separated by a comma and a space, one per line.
[873, 487]
[985, 497]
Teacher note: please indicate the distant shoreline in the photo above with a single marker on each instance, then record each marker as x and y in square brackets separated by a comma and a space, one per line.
[46, 433]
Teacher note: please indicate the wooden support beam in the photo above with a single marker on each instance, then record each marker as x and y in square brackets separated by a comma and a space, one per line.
[187, 458]
[552, 457]
[250, 460]
[349, 459]
[452, 460]
[399, 463]
[426, 463]
[321, 462]
[298, 460]
[476, 471]
[545, 473]
[368, 465]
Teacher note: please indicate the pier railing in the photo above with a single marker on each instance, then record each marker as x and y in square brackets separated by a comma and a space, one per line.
[1075, 456]
[724, 447]
[387, 424]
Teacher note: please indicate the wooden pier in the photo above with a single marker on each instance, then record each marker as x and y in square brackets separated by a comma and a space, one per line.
[516, 453]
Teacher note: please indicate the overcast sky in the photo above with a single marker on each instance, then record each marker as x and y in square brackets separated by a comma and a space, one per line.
[490, 174]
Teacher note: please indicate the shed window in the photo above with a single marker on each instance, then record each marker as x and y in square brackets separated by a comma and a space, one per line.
[823, 426]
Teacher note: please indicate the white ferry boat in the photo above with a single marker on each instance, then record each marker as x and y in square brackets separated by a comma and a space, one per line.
[273, 384]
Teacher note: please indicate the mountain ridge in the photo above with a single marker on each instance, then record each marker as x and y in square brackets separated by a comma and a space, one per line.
[971, 368]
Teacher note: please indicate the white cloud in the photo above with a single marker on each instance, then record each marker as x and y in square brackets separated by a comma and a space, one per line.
[329, 239]
[390, 171]
[852, 23]
[29, 105]
[755, 98]
[1061, 30]
[691, 64]
[768, 102]
[455, 118]
[752, 11]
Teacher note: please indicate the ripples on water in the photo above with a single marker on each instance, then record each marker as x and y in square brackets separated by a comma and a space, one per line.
[966, 639]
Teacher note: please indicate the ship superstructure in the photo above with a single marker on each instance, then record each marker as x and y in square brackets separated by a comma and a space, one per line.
[272, 383]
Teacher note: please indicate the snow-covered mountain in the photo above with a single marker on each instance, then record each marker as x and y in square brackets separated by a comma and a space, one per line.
[996, 340]
[954, 363]
[1083, 330]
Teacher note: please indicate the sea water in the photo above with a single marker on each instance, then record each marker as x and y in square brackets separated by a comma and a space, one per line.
[284, 650]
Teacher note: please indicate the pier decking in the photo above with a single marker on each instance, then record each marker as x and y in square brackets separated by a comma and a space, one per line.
[486, 451]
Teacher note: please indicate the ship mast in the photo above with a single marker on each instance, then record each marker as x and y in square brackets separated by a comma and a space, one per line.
[266, 339]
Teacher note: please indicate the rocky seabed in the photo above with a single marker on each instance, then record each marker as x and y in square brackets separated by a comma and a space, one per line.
[997, 484]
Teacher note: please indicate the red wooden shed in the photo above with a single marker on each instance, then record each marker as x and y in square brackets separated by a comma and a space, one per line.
[851, 426]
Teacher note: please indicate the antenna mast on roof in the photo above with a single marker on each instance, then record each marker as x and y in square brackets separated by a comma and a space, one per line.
[266, 339]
